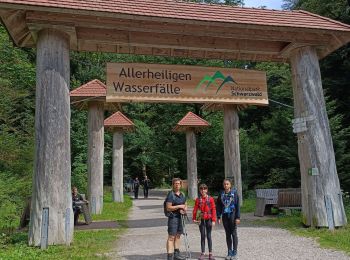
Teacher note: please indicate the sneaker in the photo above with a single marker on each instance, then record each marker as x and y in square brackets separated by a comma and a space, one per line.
[211, 257]
[234, 255]
[201, 257]
[170, 257]
[229, 254]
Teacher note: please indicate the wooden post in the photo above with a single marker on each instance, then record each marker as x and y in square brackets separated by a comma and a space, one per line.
[95, 156]
[117, 171]
[191, 165]
[231, 148]
[321, 195]
[52, 166]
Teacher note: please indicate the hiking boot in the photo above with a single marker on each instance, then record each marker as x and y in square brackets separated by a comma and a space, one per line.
[201, 257]
[170, 257]
[211, 257]
[177, 255]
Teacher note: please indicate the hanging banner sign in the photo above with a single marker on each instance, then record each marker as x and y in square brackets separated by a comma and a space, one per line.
[139, 82]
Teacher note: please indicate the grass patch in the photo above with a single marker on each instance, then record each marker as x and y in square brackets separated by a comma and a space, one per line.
[338, 239]
[86, 245]
[114, 211]
[248, 205]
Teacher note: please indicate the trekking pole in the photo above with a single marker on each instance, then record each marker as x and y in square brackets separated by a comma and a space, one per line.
[187, 245]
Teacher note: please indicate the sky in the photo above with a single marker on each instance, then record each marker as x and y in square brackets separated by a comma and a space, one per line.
[270, 4]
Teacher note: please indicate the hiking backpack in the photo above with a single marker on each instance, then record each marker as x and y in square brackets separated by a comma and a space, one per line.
[230, 207]
[169, 213]
[208, 204]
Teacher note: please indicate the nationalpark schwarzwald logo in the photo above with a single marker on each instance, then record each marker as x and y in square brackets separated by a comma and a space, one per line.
[210, 81]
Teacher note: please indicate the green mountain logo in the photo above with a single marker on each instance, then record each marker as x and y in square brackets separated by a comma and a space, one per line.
[211, 81]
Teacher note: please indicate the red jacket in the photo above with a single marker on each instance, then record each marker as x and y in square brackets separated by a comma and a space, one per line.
[211, 212]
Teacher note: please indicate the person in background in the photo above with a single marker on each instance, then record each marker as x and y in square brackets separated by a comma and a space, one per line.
[146, 183]
[228, 209]
[204, 213]
[76, 199]
[136, 187]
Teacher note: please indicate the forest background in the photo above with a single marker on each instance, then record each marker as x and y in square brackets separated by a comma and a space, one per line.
[268, 146]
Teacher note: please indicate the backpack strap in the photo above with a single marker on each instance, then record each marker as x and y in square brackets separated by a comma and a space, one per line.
[208, 204]
[232, 197]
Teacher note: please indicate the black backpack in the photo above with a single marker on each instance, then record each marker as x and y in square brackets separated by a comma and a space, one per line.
[169, 213]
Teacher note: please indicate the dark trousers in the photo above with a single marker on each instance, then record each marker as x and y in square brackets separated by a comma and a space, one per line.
[231, 231]
[136, 192]
[205, 229]
[77, 212]
[145, 192]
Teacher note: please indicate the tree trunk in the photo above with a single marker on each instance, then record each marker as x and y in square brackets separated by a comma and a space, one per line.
[321, 195]
[231, 148]
[95, 156]
[117, 175]
[192, 165]
[52, 167]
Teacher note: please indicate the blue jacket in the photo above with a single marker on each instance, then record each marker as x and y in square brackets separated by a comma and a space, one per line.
[234, 204]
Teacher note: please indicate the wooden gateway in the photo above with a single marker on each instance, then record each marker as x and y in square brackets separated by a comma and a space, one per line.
[195, 30]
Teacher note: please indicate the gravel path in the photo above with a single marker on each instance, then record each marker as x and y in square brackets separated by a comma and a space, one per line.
[147, 234]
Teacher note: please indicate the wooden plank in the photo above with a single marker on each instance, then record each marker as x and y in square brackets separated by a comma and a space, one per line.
[185, 84]
[44, 241]
[142, 50]
[190, 42]
[14, 20]
[329, 210]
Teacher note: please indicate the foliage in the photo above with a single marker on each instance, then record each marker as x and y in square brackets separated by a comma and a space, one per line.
[17, 85]
[86, 245]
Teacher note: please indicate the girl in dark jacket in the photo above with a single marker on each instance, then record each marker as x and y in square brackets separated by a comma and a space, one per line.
[228, 210]
[204, 213]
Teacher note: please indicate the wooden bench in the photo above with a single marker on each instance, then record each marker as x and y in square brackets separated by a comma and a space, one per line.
[283, 199]
[289, 199]
[265, 197]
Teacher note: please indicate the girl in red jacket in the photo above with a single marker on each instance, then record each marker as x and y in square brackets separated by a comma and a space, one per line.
[204, 213]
